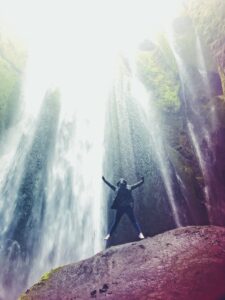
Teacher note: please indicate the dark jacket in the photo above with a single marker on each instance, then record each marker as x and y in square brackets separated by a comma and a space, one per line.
[123, 195]
[123, 198]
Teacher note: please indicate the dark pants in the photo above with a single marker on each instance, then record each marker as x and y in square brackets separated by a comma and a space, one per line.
[130, 213]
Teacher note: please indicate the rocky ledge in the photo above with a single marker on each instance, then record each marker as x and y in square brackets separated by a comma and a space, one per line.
[182, 264]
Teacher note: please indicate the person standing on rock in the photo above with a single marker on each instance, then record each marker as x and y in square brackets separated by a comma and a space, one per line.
[124, 204]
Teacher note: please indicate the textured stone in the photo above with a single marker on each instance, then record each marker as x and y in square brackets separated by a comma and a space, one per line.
[185, 263]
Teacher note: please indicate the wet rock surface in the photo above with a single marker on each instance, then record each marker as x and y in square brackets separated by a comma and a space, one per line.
[185, 263]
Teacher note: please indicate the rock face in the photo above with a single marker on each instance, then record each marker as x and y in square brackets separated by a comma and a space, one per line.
[208, 17]
[185, 263]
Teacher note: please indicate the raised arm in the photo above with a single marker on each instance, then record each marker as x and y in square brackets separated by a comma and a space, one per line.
[109, 184]
[137, 184]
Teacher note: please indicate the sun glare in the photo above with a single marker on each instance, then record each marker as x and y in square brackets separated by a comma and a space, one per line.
[73, 44]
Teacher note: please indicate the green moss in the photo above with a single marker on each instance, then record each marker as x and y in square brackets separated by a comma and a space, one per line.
[208, 17]
[48, 275]
[24, 297]
[158, 73]
[12, 61]
[45, 277]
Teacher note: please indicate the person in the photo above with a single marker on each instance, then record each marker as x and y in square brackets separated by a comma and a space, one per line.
[124, 204]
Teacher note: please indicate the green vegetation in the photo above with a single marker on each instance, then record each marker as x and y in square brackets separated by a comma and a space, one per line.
[208, 17]
[12, 61]
[9, 93]
[48, 275]
[24, 297]
[157, 70]
[43, 280]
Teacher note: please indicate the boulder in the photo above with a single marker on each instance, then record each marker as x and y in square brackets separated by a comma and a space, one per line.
[184, 263]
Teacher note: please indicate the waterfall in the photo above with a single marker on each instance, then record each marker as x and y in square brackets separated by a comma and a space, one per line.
[85, 111]
[198, 129]
[75, 211]
[152, 122]
[52, 207]
[136, 132]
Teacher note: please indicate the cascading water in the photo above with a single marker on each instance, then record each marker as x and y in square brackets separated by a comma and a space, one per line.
[138, 138]
[51, 190]
[74, 213]
[52, 209]
[152, 121]
[101, 119]
[18, 167]
[199, 130]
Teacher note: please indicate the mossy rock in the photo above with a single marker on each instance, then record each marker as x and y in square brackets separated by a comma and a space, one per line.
[158, 73]
[190, 175]
[44, 280]
[48, 275]
[12, 63]
[208, 17]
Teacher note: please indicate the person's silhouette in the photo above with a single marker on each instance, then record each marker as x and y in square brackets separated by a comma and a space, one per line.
[124, 204]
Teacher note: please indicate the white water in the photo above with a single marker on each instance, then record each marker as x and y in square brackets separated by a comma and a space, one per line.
[202, 134]
[75, 210]
[156, 142]
[80, 61]
[130, 95]
[75, 214]
[74, 218]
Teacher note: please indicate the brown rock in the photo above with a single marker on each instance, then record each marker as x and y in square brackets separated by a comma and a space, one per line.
[182, 264]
